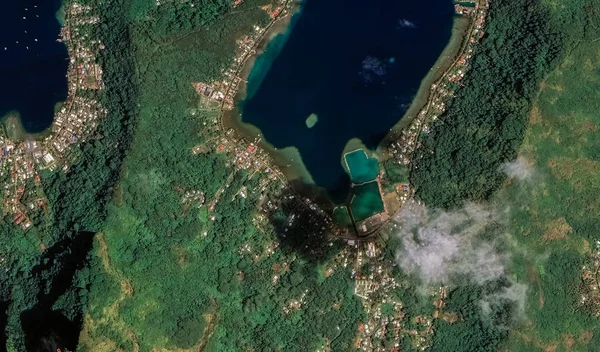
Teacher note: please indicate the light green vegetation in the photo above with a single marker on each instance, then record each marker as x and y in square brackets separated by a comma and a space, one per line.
[166, 276]
[312, 120]
[341, 216]
[360, 167]
[13, 127]
[395, 175]
[540, 104]
[395, 172]
[366, 201]
[486, 120]
[555, 214]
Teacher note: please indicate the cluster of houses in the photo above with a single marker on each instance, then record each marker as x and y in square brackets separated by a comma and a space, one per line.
[76, 121]
[443, 90]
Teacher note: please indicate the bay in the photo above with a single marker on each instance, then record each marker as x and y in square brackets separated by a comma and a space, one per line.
[33, 65]
[355, 65]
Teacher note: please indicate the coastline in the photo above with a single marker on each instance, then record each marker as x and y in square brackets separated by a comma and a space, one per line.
[11, 124]
[13, 127]
[443, 63]
[11, 121]
[61, 14]
[288, 159]
[74, 121]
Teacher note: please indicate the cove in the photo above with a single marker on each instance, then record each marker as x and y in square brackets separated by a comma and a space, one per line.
[356, 65]
[33, 64]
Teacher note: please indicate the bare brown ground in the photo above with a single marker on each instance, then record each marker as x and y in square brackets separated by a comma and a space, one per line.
[568, 341]
[544, 346]
[586, 337]
[181, 253]
[557, 229]
[535, 116]
[586, 127]
[211, 320]
[564, 168]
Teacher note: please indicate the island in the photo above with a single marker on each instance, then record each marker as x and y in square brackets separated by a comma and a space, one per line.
[312, 120]
[146, 220]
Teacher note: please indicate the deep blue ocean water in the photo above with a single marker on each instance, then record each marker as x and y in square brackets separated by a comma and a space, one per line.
[355, 64]
[33, 64]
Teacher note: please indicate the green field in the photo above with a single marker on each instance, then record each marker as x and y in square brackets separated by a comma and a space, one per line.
[555, 215]
[360, 167]
[366, 201]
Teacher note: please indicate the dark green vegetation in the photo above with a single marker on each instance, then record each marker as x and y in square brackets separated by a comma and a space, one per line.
[34, 282]
[165, 277]
[472, 329]
[539, 100]
[128, 265]
[486, 121]
[161, 275]
[168, 275]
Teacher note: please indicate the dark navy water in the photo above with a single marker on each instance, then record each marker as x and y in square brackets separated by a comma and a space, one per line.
[355, 64]
[33, 64]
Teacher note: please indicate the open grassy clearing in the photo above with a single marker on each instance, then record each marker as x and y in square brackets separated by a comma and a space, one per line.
[555, 214]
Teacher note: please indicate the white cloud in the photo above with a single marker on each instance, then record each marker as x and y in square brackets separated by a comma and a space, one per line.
[442, 246]
[521, 169]
[515, 294]
[404, 23]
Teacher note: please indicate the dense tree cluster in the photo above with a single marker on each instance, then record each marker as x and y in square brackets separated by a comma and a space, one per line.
[175, 18]
[79, 197]
[177, 272]
[164, 275]
[484, 124]
[77, 201]
[473, 332]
